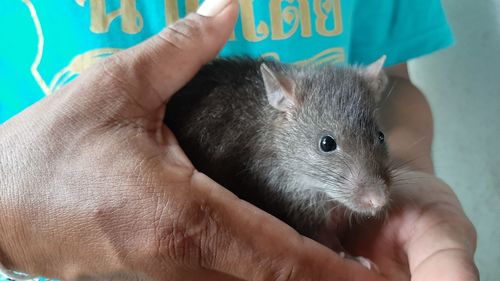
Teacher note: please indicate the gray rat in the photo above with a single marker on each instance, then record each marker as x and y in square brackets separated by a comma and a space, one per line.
[296, 141]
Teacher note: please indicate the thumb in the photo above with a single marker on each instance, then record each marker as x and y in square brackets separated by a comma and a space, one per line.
[161, 65]
[247, 243]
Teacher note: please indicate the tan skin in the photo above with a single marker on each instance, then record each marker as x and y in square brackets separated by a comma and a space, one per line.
[94, 185]
[426, 235]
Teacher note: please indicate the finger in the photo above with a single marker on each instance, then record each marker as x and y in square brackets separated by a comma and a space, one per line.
[442, 241]
[375, 240]
[446, 265]
[252, 245]
[161, 65]
[443, 253]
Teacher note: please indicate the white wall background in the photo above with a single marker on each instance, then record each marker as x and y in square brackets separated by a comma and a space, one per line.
[463, 88]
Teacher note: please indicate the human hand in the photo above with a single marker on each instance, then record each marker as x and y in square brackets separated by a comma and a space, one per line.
[95, 186]
[425, 236]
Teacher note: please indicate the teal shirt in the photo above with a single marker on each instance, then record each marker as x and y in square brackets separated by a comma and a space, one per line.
[46, 44]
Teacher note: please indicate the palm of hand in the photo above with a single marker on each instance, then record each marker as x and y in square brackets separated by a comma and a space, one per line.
[425, 235]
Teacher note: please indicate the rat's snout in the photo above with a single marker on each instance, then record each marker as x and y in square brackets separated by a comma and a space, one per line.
[371, 198]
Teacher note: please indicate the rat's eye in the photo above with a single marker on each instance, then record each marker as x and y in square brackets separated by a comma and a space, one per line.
[381, 137]
[327, 144]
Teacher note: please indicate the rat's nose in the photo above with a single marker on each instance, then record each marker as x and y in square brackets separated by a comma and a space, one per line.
[374, 199]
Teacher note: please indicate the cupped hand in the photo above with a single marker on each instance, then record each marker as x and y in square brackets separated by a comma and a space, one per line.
[425, 236]
[94, 186]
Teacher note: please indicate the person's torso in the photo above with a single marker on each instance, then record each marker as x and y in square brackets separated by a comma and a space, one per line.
[51, 42]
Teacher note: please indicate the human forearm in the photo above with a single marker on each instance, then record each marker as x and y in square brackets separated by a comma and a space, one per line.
[406, 119]
[442, 239]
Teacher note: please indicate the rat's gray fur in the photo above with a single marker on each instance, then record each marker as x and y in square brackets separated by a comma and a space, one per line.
[271, 158]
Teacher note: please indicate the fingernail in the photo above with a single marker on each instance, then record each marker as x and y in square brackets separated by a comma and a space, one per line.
[211, 8]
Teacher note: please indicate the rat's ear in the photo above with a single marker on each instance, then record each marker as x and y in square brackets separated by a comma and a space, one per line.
[279, 89]
[375, 75]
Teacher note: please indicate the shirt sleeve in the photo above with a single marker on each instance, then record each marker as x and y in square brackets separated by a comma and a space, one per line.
[400, 29]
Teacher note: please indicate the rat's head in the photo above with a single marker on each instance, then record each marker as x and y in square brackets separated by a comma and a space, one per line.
[326, 133]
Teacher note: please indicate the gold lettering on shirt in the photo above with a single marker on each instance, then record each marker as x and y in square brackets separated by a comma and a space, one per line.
[172, 9]
[323, 9]
[100, 19]
[250, 33]
[192, 6]
[291, 15]
[327, 56]
[79, 64]
[172, 12]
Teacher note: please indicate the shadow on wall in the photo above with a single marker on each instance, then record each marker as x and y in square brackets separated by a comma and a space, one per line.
[463, 88]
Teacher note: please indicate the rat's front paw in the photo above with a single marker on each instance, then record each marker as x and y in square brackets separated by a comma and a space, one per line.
[363, 261]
